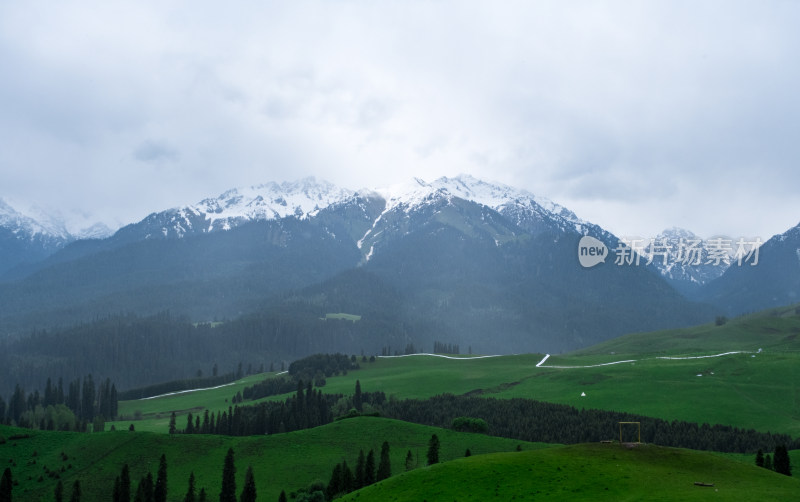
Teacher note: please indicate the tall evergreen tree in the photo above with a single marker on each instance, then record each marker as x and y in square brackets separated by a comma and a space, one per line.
[125, 484]
[172, 424]
[282, 496]
[144, 492]
[348, 481]
[76, 491]
[385, 464]
[190, 492]
[59, 492]
[433, 450]
[781, 462]
[335, 484]
[360, 476]
[6, 485]
[249, 490]
[409, 461]
[160, 491]
[116, 494]
[228, 491]
[369, 469]
[357, 403]
[201, 497]
[760, 458]
[768, 461]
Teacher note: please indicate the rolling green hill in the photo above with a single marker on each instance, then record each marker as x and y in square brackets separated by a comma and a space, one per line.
[280, 462]
[596, 472]
[745, 388]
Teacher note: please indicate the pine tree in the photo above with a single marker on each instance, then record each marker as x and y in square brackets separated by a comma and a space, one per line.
[201, 497]
[172, 419]
[160, 491]
[781, 462]
[467, 453]
[144, 492]
[249, 490]
[369, 469]
[360, 477]
[125, 484]
[760, 458]
[385, 465]
[117, 493]
[76, 491]
[357, 404]
[189, 424]
[228, 491]
[348, 482]
[335, 484]
[768, 462]
[433, 450]
[6, 485]
[190, 492]
[409, 461]
[59, 493]
[282, 497]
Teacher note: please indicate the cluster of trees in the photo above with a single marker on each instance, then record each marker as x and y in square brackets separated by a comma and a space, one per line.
[532, 420]
[269, 387]
[410, 349]
[322, 365]
[307, 408]
[778, 462]
[343, 480]
[176, 386]
[83, 402]
[445, 348]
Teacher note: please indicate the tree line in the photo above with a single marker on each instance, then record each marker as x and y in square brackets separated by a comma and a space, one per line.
[82, 402]
[532, 420]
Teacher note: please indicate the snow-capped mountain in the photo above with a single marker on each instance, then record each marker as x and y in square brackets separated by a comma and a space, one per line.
[270, 201]
[25, 239]
[685, 260]
[523, 206]
[459, 256]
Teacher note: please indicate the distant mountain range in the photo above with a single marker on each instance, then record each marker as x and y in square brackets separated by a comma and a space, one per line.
[461, 259]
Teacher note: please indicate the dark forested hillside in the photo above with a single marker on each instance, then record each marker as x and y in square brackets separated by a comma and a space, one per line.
[205, 276]
[135, 351]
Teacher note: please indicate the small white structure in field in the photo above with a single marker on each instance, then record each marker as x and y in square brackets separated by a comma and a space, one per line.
[583, 394]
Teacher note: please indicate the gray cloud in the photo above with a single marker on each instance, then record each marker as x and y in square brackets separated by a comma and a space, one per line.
[155, 152]
[635, 115]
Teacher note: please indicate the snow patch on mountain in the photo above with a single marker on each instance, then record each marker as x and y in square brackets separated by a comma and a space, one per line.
[680, 255]
[300, 199]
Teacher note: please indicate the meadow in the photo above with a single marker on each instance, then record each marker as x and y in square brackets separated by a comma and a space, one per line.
[280, 462]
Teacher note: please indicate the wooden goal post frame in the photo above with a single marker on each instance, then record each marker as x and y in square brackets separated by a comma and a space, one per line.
[638, 425]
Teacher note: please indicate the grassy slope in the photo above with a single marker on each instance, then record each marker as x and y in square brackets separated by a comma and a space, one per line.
[772, 330]
[761, 392]
[593, 472]
[282, 461]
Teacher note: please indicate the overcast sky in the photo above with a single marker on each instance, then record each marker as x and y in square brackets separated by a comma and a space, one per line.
[636, 115]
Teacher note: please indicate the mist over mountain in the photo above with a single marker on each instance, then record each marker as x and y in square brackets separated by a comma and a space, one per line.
[457, 260]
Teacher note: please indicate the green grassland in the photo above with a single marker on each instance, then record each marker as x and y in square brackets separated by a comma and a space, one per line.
[596, 472]
[280, 462]
[753, 389]
[153, 414]
[774, 330]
